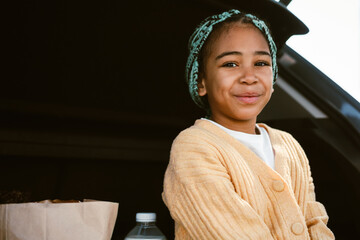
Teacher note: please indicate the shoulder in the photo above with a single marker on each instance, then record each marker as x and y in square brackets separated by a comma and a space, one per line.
[285, 142]
[193, 141]
[195, 155]
[201, 132]
[201, 144]
[280, 136]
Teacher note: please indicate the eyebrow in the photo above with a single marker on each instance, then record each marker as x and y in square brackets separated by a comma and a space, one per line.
[240, 53]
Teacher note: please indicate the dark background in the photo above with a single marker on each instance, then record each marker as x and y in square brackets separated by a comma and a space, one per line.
[93, 93]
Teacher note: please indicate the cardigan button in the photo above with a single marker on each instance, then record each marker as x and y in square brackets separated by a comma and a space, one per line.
[297, 228]
[278, 185]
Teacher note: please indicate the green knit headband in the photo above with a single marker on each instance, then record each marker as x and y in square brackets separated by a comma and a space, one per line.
[198, 39]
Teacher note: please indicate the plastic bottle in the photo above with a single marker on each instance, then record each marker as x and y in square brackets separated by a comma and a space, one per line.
[145, 228]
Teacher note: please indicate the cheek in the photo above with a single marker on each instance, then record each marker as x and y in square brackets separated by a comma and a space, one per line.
[266, 72]
[225, 79]
[219, 81]
[267, 77]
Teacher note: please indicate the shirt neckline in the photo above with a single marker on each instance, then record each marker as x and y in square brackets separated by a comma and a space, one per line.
[236, 133]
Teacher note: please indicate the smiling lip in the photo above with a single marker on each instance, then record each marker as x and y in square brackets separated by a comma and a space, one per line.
[248, 98]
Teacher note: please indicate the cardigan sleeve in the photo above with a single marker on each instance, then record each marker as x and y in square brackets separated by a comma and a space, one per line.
[315, 214]
[201, 198]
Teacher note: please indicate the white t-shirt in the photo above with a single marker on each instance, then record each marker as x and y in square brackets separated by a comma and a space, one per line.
[258, 143]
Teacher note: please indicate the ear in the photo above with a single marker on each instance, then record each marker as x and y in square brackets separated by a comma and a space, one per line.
[201, 86]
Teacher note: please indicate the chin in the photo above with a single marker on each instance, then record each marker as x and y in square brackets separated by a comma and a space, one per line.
[246, 115]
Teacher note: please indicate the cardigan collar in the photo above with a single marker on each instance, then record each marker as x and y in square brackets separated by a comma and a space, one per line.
[252, 159]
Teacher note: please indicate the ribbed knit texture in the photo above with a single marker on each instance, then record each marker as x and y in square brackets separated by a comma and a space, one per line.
[217, 188]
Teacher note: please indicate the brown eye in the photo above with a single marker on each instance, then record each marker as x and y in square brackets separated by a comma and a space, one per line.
[262, 63]
[229, 65]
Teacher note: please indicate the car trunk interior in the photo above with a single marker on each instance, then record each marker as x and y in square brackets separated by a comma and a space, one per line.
[94, 94]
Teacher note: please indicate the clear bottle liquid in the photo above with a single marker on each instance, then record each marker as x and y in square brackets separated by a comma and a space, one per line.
[145, 228]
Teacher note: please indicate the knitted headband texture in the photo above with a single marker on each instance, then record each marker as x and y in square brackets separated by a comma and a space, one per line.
[198, 38]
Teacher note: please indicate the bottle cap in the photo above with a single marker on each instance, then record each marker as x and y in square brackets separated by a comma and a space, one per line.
[146, 217]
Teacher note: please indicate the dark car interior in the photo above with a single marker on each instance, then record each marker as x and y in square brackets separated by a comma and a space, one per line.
[93, 94]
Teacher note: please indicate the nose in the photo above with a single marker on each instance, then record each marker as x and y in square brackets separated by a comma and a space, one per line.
[248, 76]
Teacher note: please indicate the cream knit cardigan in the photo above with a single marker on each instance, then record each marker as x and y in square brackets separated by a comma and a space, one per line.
[216, 188]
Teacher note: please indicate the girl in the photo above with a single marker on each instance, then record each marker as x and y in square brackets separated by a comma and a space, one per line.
[228, 177]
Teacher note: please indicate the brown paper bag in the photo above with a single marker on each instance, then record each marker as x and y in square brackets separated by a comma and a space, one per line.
[88, 220]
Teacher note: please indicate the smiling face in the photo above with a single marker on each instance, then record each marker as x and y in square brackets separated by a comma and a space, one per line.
[237, 77]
